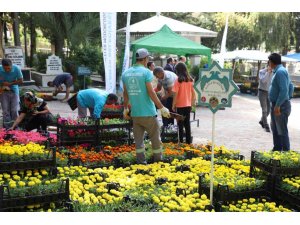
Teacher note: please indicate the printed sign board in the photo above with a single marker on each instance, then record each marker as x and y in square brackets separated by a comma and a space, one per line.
[15, 54]
[54, 65]
[215, 87]
[83, 71]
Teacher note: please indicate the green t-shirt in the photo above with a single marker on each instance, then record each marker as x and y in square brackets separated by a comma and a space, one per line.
[135, 79]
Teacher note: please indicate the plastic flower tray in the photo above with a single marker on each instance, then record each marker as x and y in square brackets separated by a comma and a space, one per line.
[30, 164]
[285, 196]
[274, 167]
[223, 194]
[112, 114]
[10, 203]
[94, 134]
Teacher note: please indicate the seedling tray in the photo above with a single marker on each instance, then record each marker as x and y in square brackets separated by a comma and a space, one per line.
[273, 167]
[30, 164]
[8, 203]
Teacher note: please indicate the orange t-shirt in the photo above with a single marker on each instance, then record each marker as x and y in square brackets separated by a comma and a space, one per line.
[184, 93]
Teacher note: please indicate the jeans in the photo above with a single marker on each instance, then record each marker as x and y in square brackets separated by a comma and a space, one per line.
[279, 127]
[168, 104]
[82, 111]
[185, 111]
[265, 106]
[10, 104]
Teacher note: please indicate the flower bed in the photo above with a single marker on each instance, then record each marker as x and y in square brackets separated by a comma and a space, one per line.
[23, 137]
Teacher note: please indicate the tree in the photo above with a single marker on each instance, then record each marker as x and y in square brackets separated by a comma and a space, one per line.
[241, 33]
[275, 31]
[32, 28]
[296, 30]
[16, 27]
[1, 34]
[70, 28]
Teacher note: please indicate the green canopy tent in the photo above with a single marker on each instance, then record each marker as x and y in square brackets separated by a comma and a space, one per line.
[167, 41]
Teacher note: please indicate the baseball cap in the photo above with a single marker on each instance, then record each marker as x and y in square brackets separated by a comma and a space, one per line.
[141, 53]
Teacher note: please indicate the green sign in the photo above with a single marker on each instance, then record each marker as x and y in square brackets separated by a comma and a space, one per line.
[215, 87]
[83, 71]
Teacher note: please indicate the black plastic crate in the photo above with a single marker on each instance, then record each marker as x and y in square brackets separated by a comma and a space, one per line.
[287, 197]
[28, 165]
[273, 168]
[223, 194]
[9, 203]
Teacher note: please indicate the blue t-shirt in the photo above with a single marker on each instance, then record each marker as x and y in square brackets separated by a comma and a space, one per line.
[92, 98]
[64, 78]
[135, 79]
[13, 75]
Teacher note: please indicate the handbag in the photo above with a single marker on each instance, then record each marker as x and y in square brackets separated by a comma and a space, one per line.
[72, 102]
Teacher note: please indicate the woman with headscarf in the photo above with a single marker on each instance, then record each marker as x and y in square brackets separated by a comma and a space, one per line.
[36, 112]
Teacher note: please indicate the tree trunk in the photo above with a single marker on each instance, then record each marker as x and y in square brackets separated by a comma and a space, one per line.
[25, 44]
[1, 36]
[16, 28]
[5, 33]
[284, 52]
[59, 44]
[32, 41]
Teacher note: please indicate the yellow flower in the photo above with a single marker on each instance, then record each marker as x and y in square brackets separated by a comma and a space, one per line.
[31, 183]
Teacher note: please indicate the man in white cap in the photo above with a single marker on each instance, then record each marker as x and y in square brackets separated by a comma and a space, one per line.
[139, 93]
[166, 80]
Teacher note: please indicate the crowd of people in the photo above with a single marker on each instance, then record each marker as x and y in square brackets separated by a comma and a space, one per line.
[147, 90]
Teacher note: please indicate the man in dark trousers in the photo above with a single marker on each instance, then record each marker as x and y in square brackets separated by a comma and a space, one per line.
[280, 93]
[265, 76]
[64, 78]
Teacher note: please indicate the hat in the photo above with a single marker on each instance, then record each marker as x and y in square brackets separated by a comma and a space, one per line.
[141, 53]
[30, 97]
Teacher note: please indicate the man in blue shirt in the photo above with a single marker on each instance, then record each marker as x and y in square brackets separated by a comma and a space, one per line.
[139, 92]
[280, 93]
[10, 77]
[94, 99]
[65, 79]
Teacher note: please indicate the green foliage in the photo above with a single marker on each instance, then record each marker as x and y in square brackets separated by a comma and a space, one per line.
[88, 56]
[39, 62]
[275, 30]
[194, 71]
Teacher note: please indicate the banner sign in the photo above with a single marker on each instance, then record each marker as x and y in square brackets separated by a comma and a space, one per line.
[127, 49]
[108, 23]
[215, 87]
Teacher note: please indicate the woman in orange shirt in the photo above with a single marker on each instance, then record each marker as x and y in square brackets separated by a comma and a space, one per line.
[183, 100]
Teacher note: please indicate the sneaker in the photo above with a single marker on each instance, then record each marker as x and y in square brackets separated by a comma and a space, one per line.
[267, 129]
[261, 123]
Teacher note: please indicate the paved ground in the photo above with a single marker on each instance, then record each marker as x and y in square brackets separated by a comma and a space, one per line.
[237, 127]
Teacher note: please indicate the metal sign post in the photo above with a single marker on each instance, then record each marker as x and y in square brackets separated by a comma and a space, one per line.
[215, 88]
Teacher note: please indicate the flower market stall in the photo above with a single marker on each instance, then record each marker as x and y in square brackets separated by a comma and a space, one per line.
[39, 172]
